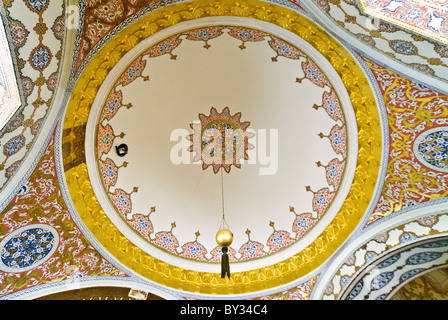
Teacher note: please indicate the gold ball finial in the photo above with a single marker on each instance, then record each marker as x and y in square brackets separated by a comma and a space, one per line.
[224, 238]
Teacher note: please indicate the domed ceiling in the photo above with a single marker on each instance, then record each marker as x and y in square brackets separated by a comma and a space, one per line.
[255, 89]
[327, 166]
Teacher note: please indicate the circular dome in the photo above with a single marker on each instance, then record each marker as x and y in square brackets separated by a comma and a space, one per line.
[274, 98]
[176, 97]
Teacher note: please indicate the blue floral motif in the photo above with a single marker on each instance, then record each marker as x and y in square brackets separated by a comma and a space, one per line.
[334, 171]
[313, 74]
[40, 57]
[414, 13]
[409, 274]
[251, 249]
[423, 257]
[337, 139]
[204, 34]
[29, 247]
[381, 280]
[166, 240]
[113, 104]
[109, 172]
[37, 5]
[389, 261]
[278, 239]
[403, 47]
[164, 47]
[14, 145]
[356, 290]
[122, 201]
[142, 224]
[331, 105]
[132, 72]
[321, 199]
[106, 139]
[246, 35]
[434, 149]
[284, 49]
[194, 250]
[302, 223]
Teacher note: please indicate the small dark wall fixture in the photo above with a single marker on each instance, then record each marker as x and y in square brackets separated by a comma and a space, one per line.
[122, 150]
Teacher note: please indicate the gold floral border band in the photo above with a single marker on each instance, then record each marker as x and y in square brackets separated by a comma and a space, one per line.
[302, 263]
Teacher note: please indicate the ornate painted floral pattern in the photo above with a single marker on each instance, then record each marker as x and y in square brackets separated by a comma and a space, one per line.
[412, 109]
[40, 206]
[220, 140]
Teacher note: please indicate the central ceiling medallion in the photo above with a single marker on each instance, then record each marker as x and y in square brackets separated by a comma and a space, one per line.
[220, 140]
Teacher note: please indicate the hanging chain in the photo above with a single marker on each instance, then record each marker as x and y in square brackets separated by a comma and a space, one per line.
[223, 222]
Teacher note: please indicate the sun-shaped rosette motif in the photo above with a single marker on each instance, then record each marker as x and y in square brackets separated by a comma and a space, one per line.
[284, 49]
[164, 47]
[220, 140]
[204, 34]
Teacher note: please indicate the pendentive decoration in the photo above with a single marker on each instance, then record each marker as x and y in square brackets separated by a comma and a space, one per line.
[224, 237]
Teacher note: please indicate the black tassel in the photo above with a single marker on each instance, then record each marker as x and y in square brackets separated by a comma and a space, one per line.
[225, 265]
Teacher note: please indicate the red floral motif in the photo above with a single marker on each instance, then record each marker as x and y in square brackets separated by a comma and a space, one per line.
[166, 241]
[164, 47]
[322, 200]
[122, 201]
[301, 292]
[412, 109]
[330, 103]
[246, 35]
[217, 252]
[204, 34]
[133, 72]
[109, 172]
[284, 49]
[111, 11]
[193, 250]
[251, 250]
[105, 139]
[142, 224]
[113, 103]
[313, 73]
[334, 171]
[279, 240]
[40, 201]
[338, 140]
[101, 12]
[302, 223]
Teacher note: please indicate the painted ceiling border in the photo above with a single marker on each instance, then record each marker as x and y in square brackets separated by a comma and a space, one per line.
[335, 30]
